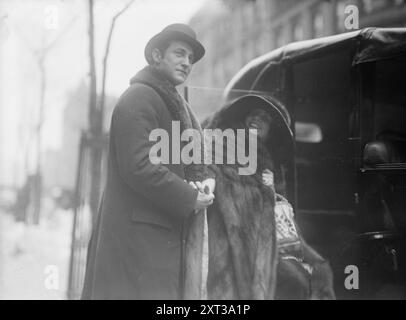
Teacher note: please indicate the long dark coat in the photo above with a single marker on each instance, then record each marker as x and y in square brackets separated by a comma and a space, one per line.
[135, 250]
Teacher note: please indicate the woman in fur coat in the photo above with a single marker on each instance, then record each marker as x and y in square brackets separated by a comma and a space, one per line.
[253, 255]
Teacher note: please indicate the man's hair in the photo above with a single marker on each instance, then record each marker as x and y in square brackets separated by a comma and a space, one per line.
[162, 46]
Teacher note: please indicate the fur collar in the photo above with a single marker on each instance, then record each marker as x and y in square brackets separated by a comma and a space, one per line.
[180, 111]
[176, 104]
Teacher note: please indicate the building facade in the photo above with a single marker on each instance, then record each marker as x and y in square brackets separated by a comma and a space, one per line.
[237, 31]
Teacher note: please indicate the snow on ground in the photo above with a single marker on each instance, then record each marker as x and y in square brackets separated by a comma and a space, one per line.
[34, 259]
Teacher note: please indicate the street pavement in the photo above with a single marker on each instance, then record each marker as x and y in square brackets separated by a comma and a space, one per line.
[34, 259]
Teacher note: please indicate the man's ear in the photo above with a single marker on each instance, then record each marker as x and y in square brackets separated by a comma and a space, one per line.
[156, 56]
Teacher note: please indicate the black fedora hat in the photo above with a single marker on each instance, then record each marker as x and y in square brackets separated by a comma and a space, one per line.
[176, 31]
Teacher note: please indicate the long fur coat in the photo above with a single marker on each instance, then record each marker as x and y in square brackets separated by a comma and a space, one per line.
[241, 225]
[243, 256]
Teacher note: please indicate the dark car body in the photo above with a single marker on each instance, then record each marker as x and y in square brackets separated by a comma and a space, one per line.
[347, 100]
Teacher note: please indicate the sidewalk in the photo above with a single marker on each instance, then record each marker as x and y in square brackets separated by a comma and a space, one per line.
[34, 260]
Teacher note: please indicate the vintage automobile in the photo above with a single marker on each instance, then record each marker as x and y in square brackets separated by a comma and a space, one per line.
[347, 99]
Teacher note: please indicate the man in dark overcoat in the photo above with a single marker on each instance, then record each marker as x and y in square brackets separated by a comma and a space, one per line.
[135, 251]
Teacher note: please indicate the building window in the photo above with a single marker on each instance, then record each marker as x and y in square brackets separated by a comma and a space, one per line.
[297, 29]
[340, 14]
[248, 15]
[264, 43]
[218, 75]
[229, 67]
[369, 6]
[256, 51]
[244, 53]
[318, 22]
[279, 38]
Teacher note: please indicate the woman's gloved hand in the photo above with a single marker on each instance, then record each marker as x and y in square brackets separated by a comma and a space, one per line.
[322, 286]
[267, 178]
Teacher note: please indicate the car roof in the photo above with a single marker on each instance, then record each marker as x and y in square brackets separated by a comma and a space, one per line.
[369, 44]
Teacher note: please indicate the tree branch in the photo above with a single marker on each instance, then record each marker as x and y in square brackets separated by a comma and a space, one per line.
[106, 54]
[60, 35]
[93, 116]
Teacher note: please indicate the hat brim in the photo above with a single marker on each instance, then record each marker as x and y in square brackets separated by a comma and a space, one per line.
[197, 47]
[237, 110]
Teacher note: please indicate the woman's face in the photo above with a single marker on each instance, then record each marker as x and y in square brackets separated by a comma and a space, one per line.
[261, 120]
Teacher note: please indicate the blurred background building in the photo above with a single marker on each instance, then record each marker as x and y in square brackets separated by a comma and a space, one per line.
[237, 31]
[75, 115]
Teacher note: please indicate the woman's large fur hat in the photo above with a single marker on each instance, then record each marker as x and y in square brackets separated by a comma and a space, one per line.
[237, 110]
[176, 31]
[234, 112]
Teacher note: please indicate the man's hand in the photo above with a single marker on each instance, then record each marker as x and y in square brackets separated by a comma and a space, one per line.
[204, 197]
[203, 200]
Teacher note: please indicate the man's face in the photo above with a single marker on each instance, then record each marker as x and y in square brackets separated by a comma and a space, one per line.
[176, 62]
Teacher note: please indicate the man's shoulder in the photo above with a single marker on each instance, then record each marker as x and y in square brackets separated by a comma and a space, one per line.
[139, 91]
[139, 96]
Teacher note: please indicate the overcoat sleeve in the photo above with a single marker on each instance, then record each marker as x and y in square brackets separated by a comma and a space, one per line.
[135, 116]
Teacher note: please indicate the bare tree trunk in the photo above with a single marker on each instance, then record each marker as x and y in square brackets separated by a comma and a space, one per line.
[40, 55]
[96, 109]
[38, 177]
[96, 127]
[106, 54]
[92, 63]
